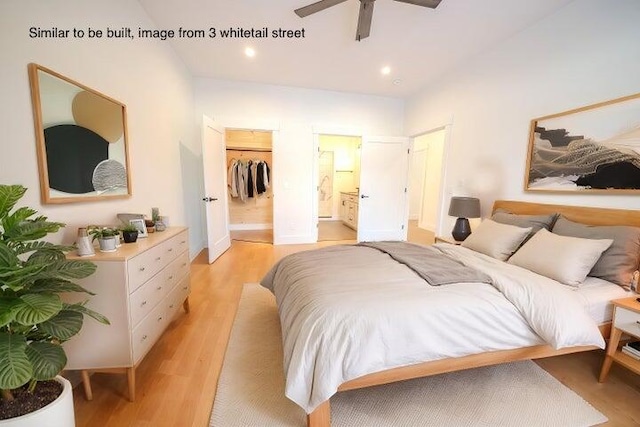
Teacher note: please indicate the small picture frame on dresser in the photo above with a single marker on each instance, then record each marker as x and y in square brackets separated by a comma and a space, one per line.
[140, 225]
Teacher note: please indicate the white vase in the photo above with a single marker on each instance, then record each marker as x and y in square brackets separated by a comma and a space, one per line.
[58, 413]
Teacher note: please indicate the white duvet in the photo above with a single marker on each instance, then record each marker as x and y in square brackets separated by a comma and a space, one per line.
[348, 311]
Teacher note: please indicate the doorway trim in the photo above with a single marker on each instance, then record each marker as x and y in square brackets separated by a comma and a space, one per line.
[442, 210]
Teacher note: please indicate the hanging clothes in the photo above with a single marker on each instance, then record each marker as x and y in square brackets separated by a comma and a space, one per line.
[260, 187]
[232, 178]
[250, 179]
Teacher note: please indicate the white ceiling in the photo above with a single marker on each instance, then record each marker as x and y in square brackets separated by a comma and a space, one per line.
[419, 44]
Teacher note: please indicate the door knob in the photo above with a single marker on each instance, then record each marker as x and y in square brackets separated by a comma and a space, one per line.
[209, 199]
[364, 196]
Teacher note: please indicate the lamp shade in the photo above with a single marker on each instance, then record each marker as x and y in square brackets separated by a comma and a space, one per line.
[464, 207]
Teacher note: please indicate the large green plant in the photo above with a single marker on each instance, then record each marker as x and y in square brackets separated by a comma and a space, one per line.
[34, 321]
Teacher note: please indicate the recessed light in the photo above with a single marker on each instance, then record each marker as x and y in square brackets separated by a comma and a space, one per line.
[250, 52]
[397, 82]
[385, 70]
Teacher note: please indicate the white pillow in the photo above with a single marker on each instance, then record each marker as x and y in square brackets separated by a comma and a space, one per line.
[496, 240]
[565, 259]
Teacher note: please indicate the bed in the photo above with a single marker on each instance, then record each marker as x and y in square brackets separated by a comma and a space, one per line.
[374, 320]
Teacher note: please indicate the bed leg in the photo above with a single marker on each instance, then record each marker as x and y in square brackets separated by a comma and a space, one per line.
[321, 417]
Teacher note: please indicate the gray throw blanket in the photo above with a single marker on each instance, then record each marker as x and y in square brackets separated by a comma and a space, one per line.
[430, 264]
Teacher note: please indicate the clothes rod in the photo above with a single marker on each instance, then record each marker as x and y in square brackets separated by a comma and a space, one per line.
[248, 149]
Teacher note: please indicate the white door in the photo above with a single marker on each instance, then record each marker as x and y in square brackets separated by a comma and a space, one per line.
[215, 187]
[382, 210]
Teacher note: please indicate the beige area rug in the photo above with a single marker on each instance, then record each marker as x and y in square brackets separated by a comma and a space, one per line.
[251, 388]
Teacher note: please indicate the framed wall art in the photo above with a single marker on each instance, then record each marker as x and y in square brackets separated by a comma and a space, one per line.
[81, 138]
[593, 149]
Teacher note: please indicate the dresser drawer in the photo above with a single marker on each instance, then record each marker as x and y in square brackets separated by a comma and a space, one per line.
[176, 245]
[176, 297]
[144, 266]
[178, 269]
[147, 332]
[145, 298]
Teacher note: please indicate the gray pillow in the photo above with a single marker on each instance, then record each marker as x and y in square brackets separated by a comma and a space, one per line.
[617, 263]
[536, 222]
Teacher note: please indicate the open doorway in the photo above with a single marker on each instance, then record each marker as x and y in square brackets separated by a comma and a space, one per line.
[249, 176]
[338, 186]
[425, 179]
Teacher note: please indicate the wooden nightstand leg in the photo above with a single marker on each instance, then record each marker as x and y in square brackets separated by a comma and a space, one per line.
[86, 384]
[131, 381]
[611, 349]
[185, 305]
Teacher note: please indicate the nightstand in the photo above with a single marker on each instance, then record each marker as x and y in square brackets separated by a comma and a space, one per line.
[443, 239]
[626, 320]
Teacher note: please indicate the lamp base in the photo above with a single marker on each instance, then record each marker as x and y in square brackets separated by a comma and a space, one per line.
[461, 230]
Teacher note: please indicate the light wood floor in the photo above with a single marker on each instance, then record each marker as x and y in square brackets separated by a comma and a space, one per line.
[176, 382]
[335, 230]
[257, 236]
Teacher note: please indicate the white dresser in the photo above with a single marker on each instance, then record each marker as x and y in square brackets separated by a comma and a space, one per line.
[140, 289]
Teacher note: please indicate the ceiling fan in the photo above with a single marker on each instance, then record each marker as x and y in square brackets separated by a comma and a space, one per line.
[366, 12]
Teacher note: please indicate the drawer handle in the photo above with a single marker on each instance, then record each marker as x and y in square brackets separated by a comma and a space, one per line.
[143, 304]
[159, 288]
[141, 268]
[183, 241]
[159, 318]
[171, 277]
[171, 306]
[158, 259]
[185, 288]
[184, 264]
[144, 337]
[170, 249]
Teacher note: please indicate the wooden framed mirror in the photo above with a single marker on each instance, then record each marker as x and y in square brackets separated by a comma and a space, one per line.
[81, 140]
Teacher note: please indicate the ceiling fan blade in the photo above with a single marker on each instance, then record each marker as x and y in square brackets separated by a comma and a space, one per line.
[364, 19]
[316, 7]
[426, 3]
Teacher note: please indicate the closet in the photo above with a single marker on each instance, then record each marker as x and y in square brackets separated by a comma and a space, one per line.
[251, 213]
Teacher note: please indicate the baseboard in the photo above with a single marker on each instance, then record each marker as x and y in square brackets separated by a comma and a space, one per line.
[293, 240]
[239, 227]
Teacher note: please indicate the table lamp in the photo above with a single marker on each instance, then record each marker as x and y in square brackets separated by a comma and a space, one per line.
[463, 208]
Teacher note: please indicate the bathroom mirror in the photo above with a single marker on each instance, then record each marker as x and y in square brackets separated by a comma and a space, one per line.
[81, 138]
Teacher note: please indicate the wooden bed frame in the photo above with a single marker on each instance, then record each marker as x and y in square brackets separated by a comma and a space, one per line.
[321, 416]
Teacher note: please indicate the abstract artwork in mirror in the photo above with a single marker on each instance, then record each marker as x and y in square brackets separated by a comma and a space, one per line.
[593, 149]
[81, 138]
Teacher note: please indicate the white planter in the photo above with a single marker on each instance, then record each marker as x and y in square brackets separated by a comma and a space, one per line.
[108, 244]
[58, 413]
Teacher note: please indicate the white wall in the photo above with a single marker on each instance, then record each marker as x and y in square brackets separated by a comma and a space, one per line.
[144, 75]
[429, 149]
[587, 52]
[297, 111]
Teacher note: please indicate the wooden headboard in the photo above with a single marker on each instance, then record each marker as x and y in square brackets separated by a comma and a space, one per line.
[584, 215]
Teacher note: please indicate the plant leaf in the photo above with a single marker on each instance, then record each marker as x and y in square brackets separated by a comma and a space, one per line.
[9, 196]
[37, 308]
[31, 230]
[45, 256]
[56, 286]
[63, 326]
[15, 368]
[8, 257]
[47, 359]
[20, 215]
[7, 307]
[23, 248]
[68, 269]
[80, 308]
